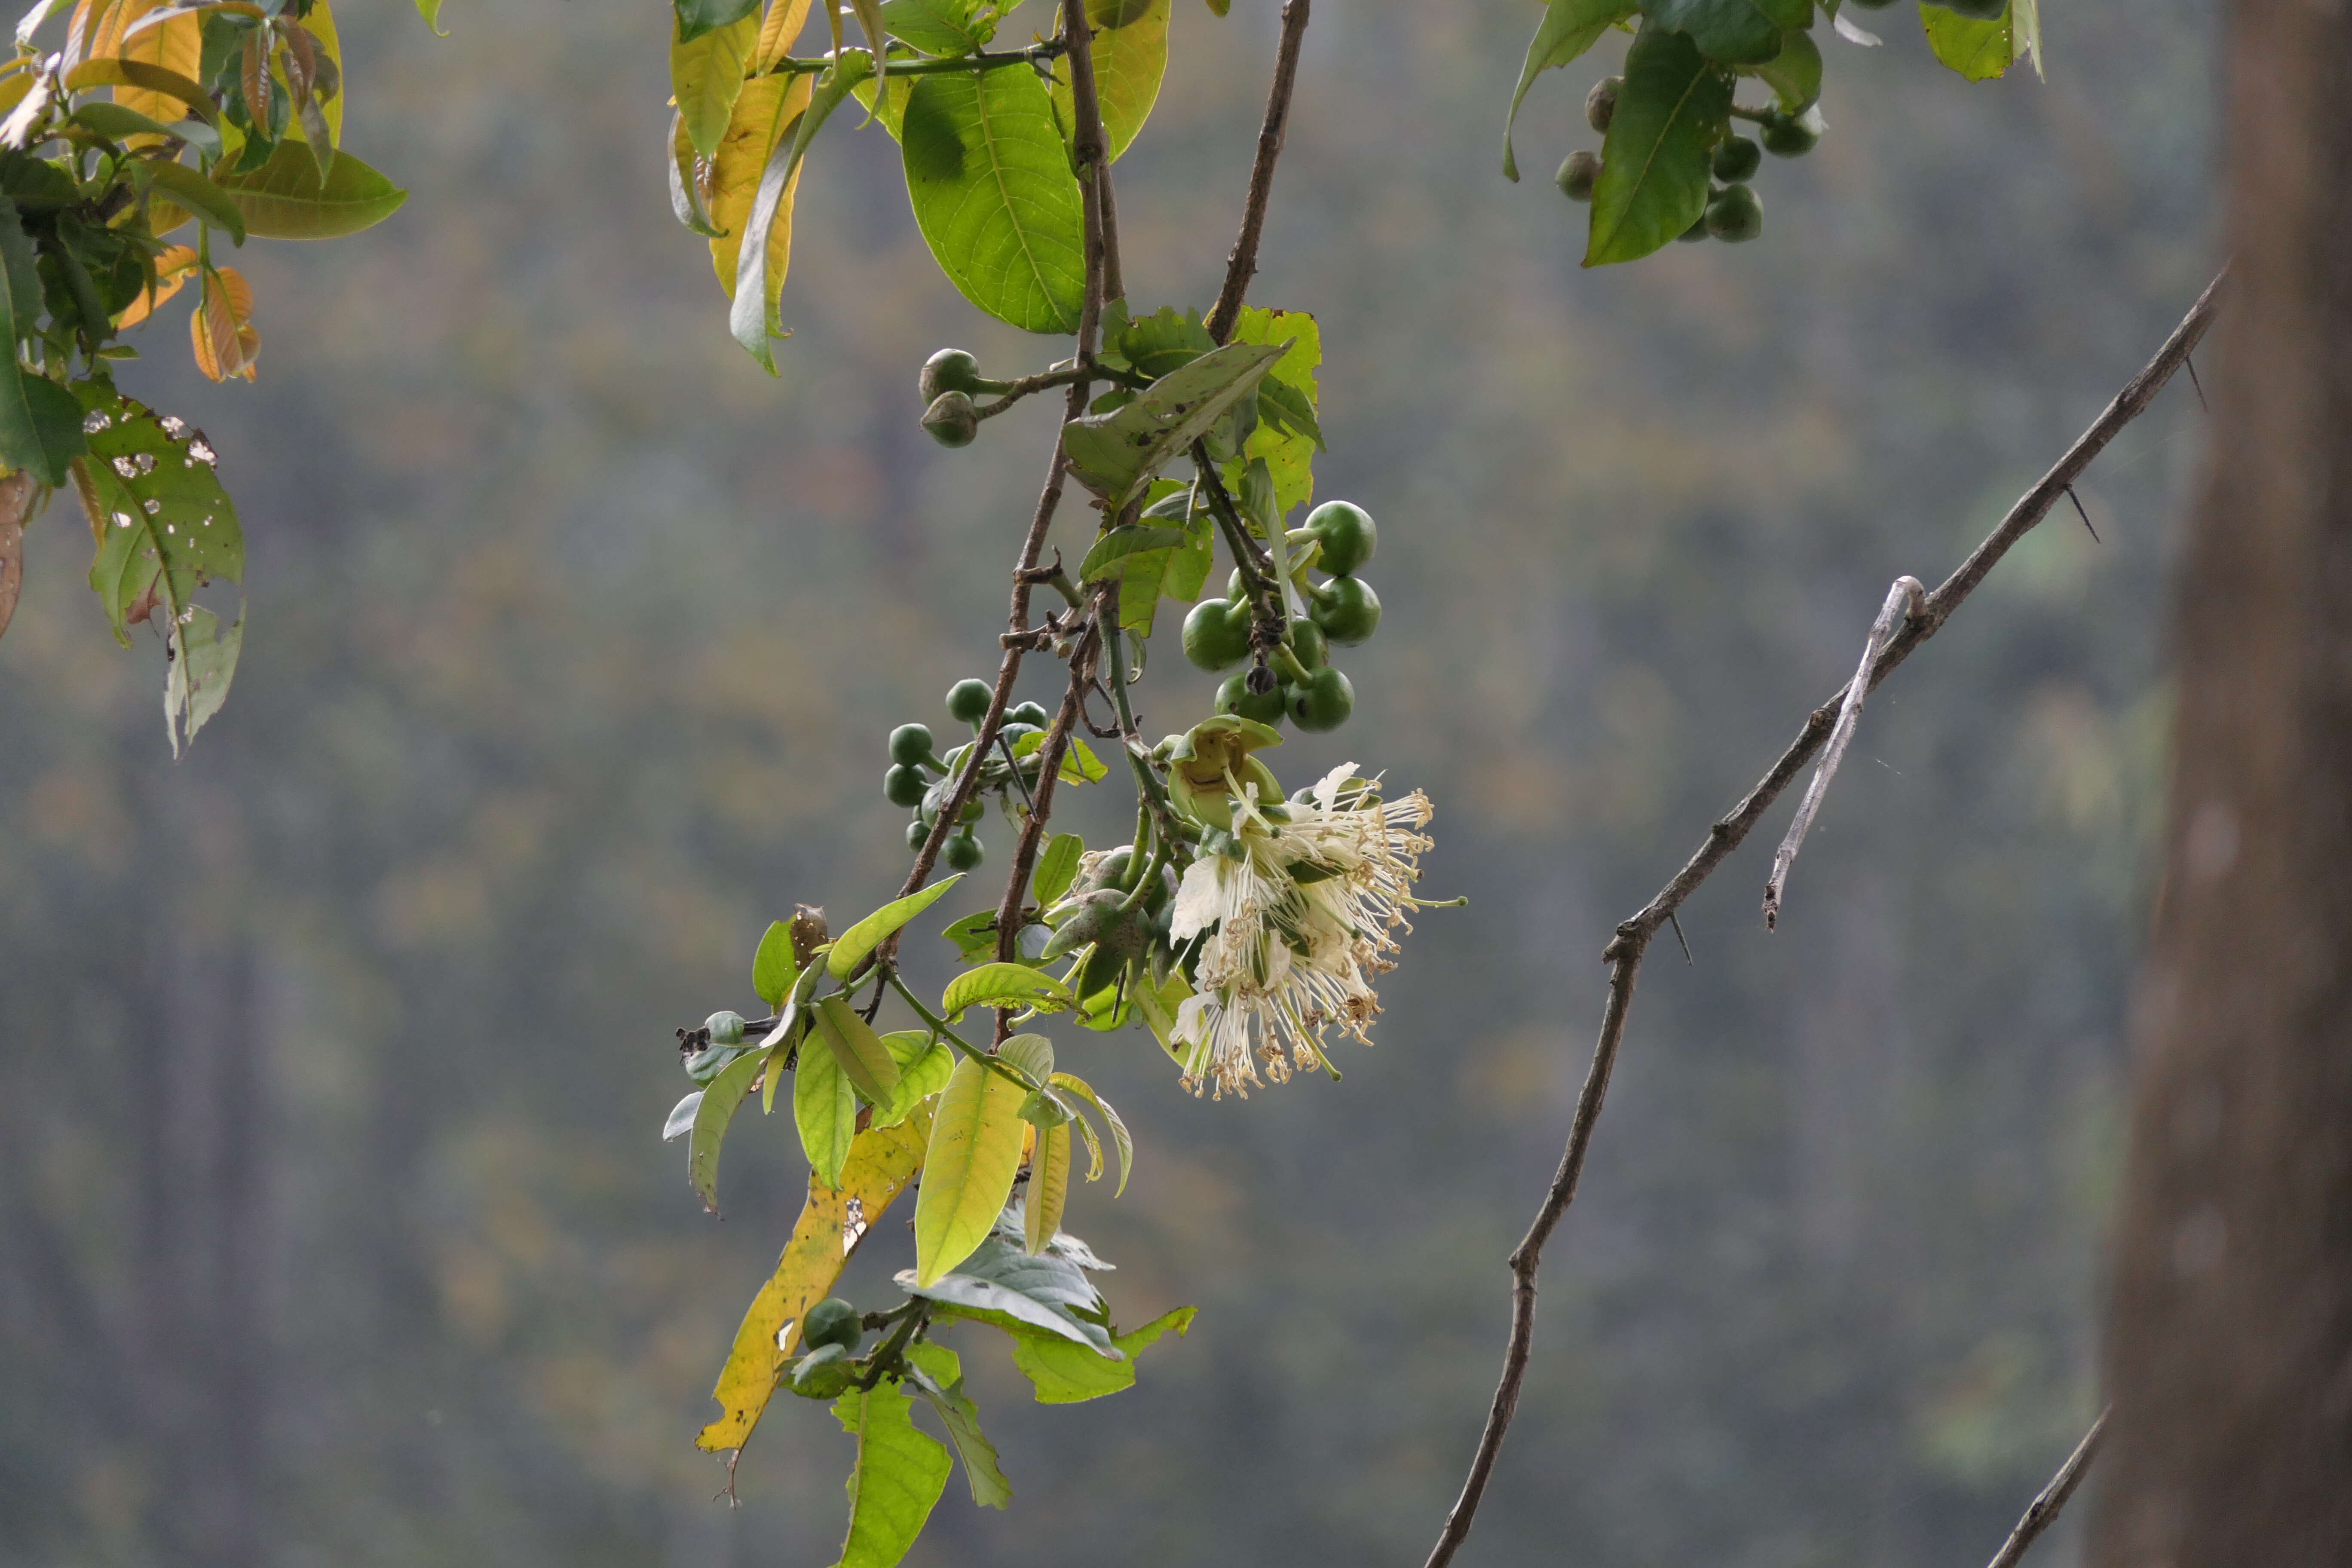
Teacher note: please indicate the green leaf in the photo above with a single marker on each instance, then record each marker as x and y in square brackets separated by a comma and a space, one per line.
[849, 949]
[1977, 50]
[974, 935]
[1002, 985]
[431, 11]
[151, 494]
[1120, 542]
[975, 1152]
[1113, 454]
[823, 1110]
[1735, 32]
[200, 196]
[40, 423]
[993, 191]
[1568, 28]
[924, 1066]
[1057, 866]
[696, 17]
[1063, 1374]
[897, 1480]
[1794, 74]
[773, 968]
[1288, 435]
[1079, 763]
[748, 315]
[1670, 113]
[1000, 1284]
[1130, 56]
[201, 661]
[939, 26]
[1070, 1083]
[858, 1048]
[1164, 340]
[1031, 1055]
[938, 1376]
[706, 74]
[721, 1101]
[120, 122]
[286, 199]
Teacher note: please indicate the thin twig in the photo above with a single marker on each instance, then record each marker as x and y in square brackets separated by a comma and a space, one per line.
[1241, 263]
[2044, 1509]
[1625, 950]
[1903, 602]
[2083, 515]
[2191, 366]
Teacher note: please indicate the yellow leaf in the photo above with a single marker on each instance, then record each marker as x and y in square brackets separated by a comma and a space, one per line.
[227, 341]
[177, 45]
[173, 267]
[1049, 1187]
[706, 76]
[882, 1162]
[785, 19]
[975, 1152]
[764, 115]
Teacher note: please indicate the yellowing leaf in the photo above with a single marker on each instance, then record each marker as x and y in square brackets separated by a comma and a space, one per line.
[227, 341]
[974, 1155]
[707, 77]
[1049, 1188]
[783, 24]
[175, 44]
[881, 1164]
[763, 116]
[173, 267]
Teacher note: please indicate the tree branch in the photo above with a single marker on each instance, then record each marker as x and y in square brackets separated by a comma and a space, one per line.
[1241, 264]
[2044, 1509]
[1626, 951]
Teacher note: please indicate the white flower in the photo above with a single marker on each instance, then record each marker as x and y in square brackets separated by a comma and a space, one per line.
[1298, 925]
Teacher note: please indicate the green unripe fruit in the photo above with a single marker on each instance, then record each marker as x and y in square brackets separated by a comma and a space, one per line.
[950, 369]
[1737, 160]
[917, 835]
[1011, 734]
[1348, 535]
[1026, 713]
[1696, 232]
[909, 744]
[725, 1028]
[1578, 175]
[832, 1321]
[903, 785]
[1306, 640]
[952, 419]
[1217, 633]
[1233, 589]
[1736, 216]
[974, 810]
[1601, 103]
[964, 852]
[967, 699]
[1351, 614]
[1787, 137]
[1324, 702]
[1976, 10]
[1235, 697]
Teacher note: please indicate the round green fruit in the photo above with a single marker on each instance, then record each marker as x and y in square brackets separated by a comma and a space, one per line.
[1601, 103]
[832, 1321]
[1027, 713]
[967, 699]
[1737, 160]
[952, 419]
[1736, 216]
[1235, 697]
[725, 1028]
[1351, 614]
[964, 852]
[950, 369]
[903, 785]
[917, 834]
[909, 744]
[1578, 175]
[1217, 633]
[1348, 535]
[1307, 640]
[1787, 136]
[1324, 702]
[974, 810]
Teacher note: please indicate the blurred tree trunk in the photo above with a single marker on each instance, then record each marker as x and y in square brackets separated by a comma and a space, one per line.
[2229, 1346]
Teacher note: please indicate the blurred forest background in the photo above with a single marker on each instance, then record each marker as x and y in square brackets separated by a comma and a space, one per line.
[334, 1223]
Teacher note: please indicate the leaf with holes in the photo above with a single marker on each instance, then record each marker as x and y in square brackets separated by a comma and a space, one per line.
[937, 1375]
[991, 184]
[157, 510]
[1113, 454]
[897, 1480]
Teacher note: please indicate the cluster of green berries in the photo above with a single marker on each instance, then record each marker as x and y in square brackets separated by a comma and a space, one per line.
[1734, 212]
[921, 779]
[1297, 680]
[950, 378]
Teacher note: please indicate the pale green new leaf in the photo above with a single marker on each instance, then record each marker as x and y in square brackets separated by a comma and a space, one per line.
[1568, 28]
[924, 1066]
[721, 1101]
[287, 199]
[897, 1480]
[1654, 170]
[1113, 454]
[1071, 1083]
[975, 1153]
[1062, 1373]
[1130, 56]
[858, 1049]
[823, 1109]
[1123, 541]
[850, 949]
[1057, 866]
[1289, 401]
[991, 184]
[706, 74]
[203, 661]
[773, 968]
[1002, 985]
[1979, 50]
[938, 1376]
